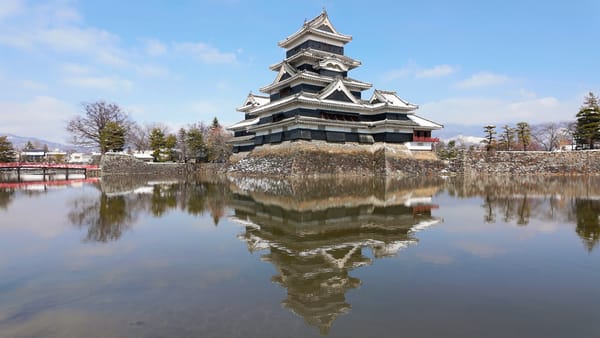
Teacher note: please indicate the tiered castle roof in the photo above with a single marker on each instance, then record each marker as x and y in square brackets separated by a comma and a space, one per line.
[312, 97]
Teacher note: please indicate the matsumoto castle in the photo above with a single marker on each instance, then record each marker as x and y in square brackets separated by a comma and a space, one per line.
[313, 98]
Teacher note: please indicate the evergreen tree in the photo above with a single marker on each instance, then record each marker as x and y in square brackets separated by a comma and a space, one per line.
[170, 144]
[112, 137]
[588, 121]
[215, 124]
[489, 141]
[195, 144]
[29, 146]
[7, 152]
[524, 134]
[507, 138]
[157, 143]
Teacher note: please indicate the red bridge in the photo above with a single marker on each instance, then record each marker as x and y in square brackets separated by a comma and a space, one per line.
[43, 165]
[48, 170]
[45, 184]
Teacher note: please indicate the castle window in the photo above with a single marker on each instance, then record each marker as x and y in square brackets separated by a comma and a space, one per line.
[285, 92]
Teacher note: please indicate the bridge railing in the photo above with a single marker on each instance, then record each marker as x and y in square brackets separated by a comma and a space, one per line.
[47, 165]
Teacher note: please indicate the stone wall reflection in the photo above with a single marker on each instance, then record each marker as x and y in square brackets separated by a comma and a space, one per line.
[567, 199]
[316, 232]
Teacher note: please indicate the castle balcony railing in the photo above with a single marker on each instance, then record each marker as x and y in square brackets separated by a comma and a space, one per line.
[425, 139]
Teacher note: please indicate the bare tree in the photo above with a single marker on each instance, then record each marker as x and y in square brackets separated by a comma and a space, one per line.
[547, 135]
[86, 129]
[138, 137]
[569, 133]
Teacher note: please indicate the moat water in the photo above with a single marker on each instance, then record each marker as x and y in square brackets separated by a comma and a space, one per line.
[297, 258]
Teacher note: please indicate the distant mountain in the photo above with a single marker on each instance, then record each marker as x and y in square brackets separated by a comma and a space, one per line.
[466, 135]
[452, 131]
[19, 142]
[466, 140]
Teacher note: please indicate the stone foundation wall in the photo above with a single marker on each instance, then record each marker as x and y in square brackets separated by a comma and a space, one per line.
[527, 163]
[302, 158]
[123, 164]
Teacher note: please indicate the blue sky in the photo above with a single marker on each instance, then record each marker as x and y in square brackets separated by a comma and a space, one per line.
[465, 63]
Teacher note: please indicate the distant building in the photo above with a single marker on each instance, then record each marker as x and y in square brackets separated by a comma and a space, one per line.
[145, 155]
[80, 158]
[56, 156]
[42, 155]
[33, 155]
[313, 98]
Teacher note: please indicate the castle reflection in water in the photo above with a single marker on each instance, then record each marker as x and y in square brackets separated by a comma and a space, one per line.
[316, 232]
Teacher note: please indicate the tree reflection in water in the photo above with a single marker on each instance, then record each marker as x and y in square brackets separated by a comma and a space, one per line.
[317, 232]
[588, 225]
[6, 196]
[574, 200]
[120, 202]
[105, 217]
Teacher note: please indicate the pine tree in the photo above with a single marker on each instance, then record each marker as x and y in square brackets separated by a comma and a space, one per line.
[489, 141]
[195, 144]
[588, 121]
[112, 137]
[507, 138]
[524, 134]
[157, 142]
[7, 152]
[170, 144]
[215, 124]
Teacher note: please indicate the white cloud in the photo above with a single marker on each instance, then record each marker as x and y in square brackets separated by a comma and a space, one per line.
[152, 71]
[482, 79]
[33, 85]
[435, 71]
[154, 47]
[483, 110]
[204, 107]
[412, 70]
[57, 12]
[205, 53]
[112, 83]
[9, 8]
[76, 69]
[43, 116]
[527, 94]
[22, 41]
[95, 42]
[56, 27]
[396, 74]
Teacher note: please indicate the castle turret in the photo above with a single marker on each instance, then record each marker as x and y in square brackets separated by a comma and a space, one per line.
[313, 98]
